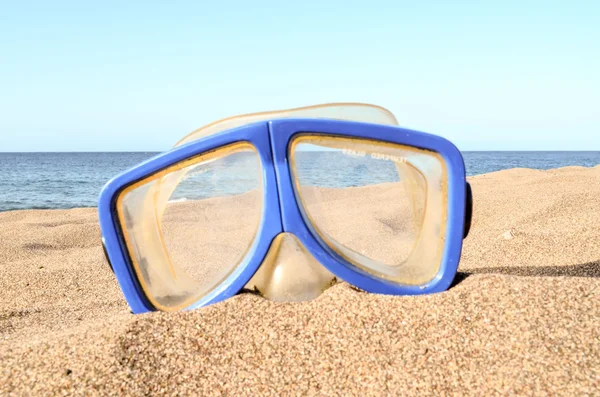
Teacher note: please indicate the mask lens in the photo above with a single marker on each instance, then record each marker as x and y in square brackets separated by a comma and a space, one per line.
[380, 206]
[188, 227]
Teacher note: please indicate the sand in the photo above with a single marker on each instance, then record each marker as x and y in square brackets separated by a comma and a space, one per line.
[522, 318]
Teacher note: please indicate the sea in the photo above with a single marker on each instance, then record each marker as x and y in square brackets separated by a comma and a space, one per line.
[69, 180]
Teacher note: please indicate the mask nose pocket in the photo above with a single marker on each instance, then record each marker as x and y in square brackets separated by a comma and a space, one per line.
[289, 272]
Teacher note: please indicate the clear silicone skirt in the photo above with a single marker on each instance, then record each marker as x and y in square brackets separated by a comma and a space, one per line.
[284, 204]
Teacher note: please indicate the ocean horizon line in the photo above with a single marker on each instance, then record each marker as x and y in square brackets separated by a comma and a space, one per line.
[162, 151]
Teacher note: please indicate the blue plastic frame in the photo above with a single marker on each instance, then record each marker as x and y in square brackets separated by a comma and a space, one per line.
[281, 209]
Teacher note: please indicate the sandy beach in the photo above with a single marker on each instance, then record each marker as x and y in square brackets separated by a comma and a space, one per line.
[522, 318]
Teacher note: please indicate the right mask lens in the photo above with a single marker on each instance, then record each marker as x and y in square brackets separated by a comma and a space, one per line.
[188, 227]
[381, 206]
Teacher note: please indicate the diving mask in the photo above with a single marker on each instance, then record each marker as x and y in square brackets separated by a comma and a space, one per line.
[284, 204]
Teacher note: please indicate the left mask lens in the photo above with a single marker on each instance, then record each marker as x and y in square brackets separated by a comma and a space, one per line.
[380, 206]
[189, 226]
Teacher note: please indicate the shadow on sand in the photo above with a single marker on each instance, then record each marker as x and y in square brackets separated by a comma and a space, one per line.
[590, 269]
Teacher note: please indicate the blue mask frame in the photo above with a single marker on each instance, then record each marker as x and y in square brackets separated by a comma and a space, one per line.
[281, 211]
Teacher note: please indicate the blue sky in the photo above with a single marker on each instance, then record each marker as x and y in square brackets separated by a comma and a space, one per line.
[137, 76]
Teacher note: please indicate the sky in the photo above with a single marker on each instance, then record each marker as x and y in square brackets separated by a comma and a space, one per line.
[138, 76]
